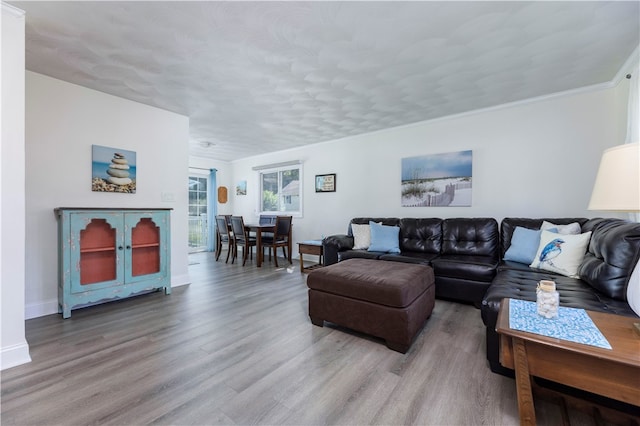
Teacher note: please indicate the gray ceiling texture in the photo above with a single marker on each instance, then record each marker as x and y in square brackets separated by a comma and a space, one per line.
[257, 77]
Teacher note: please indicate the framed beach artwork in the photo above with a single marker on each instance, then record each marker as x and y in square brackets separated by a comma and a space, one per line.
[241, 188]
[113, 170]
[437, 180]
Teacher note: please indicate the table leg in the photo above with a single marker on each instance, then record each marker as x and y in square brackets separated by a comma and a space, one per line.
[259, 247]
[526, 408]
[301, 261]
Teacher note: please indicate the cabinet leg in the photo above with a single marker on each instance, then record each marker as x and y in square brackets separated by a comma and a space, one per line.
[167, 290]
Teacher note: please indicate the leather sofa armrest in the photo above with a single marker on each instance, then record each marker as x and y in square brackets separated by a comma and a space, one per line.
[334, 244]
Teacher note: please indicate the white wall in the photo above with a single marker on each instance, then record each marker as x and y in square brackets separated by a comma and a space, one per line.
[532, 159]
[14, 348]
[63, 120]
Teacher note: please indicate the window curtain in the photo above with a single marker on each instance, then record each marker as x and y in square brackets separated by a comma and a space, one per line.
[633, 117]
[633, 135]
[212, 209]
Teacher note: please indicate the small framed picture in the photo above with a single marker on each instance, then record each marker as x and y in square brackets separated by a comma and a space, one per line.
[241, 188]
[326, 183]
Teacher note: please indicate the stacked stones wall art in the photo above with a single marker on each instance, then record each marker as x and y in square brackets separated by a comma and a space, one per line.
[113, 170]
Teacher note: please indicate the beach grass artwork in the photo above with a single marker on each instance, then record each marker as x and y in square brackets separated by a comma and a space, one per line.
[437, 180]
[113, 170]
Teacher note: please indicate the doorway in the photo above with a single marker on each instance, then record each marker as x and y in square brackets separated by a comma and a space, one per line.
[198, 215]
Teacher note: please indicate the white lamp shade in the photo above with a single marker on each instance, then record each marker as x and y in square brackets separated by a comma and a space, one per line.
[617, 186]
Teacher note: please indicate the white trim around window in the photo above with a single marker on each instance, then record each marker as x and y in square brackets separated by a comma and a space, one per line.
[280, 189]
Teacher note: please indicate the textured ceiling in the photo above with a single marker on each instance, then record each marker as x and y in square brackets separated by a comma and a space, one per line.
[257, 77]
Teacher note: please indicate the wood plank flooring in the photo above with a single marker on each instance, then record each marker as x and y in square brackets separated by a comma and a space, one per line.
[236, 347]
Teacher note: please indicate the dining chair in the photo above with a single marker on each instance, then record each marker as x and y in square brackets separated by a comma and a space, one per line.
[227, 218]
[267, 219]
[280, 238]
[223, 235]
[241, 238]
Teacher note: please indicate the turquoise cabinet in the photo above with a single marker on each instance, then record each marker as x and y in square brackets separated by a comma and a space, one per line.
[108, 254]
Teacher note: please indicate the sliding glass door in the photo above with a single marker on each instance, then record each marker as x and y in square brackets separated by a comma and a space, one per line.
[198, 215]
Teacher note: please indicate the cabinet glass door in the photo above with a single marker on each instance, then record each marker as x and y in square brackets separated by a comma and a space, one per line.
[96, 251]
[145, 241]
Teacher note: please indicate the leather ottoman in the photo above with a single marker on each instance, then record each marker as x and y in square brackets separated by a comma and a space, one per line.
[389, 300]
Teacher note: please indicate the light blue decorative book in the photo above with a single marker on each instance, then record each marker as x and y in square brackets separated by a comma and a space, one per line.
[572, 324]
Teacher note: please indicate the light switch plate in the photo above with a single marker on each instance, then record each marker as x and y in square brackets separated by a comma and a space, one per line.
[167, 197]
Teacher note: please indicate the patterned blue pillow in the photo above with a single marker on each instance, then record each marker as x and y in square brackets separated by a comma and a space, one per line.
[385, 238]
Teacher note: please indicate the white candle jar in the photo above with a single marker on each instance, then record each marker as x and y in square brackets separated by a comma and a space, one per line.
[547, 299]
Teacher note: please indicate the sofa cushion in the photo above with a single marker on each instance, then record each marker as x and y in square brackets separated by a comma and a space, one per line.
[384, 238]
[524, 245]
[409, 257]
[614, 250]
[389, 221]
[562, 254]
[508, 264]
[421, 235]
[470, 236]
[358, 254]
[473, 268]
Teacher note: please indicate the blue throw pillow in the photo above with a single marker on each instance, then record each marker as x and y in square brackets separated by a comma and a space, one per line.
[385, 238]
[524, 245]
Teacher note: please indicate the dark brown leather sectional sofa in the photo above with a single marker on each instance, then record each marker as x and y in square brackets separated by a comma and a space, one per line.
[467, 254]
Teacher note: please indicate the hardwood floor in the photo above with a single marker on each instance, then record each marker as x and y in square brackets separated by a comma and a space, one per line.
[237, 347]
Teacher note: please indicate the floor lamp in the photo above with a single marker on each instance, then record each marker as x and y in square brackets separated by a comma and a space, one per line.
[617, 188]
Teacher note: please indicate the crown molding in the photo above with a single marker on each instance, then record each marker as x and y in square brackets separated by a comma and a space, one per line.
[631, 64]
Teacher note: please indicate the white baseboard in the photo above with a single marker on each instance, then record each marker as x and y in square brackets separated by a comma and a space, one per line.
[179, 280]
[35, 310]
[14, 355]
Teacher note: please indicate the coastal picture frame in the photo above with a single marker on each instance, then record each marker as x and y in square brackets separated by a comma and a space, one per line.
[113, 170]
[437, 180]
[241, 188]
[326, 183]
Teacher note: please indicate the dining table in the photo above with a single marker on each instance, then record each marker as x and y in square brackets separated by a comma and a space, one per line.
[259, 228]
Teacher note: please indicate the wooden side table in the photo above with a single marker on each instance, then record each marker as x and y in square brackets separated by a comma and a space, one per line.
[310, 247]
[614, 373]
